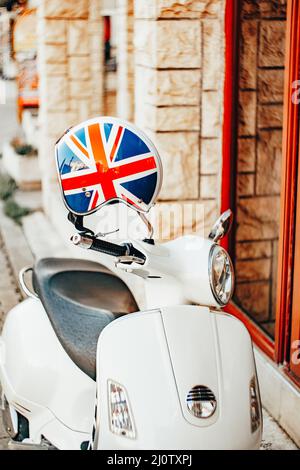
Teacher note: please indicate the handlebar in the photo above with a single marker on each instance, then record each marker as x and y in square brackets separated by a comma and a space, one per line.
[103, 246]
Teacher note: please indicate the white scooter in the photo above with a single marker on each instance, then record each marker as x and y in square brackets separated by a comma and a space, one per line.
[82, 367]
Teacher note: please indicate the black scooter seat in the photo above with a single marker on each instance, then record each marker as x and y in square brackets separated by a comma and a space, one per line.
[81, 298]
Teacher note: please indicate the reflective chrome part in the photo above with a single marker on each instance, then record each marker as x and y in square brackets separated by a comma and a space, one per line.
[221, 226]
[129, 259]
[201, 401]
[9, 427]
[255, 406]
[221, 275]
[120, 416]
[82, 241]
[24, 287]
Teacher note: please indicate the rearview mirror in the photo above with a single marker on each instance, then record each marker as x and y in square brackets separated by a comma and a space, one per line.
[221, 226]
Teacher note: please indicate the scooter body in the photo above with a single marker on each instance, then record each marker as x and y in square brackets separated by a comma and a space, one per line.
[158, 356]
[173, 375]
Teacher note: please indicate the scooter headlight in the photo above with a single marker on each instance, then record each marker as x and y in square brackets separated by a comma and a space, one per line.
[221, 275]
[120, 416]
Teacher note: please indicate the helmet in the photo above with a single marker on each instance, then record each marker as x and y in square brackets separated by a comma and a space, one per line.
[106, 160]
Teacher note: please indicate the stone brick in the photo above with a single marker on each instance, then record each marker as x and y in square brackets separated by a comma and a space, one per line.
[258, 218]
[95, 9]
[253, 250]
[246, 154]
[211, 151]
[172, 220]
[78, 37]
[57, 122]
[210, 123]
[167, 87]
[180, 157]
[79, 68]
[211, 213]
[248, 54]
[211, 55]
[56, 96]
[247, 113]
[250, 9]
[270, 116]
[271, 9]
[254, 298]
[170, 118]
[94, 44]
[270, 86]
[272, 44]
[245, 184]
[55, 54]
[256, 9]
[55, 69]
[204, 215]
[209, 186]
[54, 31]
[177, 9]
[155, 45]
[253, 270]
[66, 8]
[269, 158]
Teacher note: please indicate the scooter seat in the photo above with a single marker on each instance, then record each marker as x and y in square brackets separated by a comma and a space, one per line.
[81, 298]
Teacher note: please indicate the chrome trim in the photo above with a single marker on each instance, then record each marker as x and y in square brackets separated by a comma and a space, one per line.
[7, 420]
[44, 445]
[27, 291]
[201, 402]
[210, 260]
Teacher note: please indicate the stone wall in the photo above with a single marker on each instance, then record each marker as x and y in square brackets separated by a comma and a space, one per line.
[70, 57]
[259, 156]
[179, 55]
[125, 59]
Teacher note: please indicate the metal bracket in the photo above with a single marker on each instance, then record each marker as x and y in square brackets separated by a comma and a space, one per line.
[148, 225]
[77, 221]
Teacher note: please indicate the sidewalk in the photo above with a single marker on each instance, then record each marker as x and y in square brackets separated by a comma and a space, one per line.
[18, 249]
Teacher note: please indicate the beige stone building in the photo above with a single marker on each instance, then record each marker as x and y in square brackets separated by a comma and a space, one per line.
[209, 81]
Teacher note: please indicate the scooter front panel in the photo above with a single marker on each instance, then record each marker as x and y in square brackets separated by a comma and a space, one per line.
[157, 358]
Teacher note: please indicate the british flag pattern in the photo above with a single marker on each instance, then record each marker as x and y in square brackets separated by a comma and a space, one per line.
[106, 159]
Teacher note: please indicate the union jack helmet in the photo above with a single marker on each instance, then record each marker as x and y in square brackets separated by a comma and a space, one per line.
[107, 159]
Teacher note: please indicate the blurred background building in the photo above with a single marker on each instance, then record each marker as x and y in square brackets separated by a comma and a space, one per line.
[211, 82]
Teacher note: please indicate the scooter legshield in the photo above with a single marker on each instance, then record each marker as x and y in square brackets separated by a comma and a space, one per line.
[156, 358]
